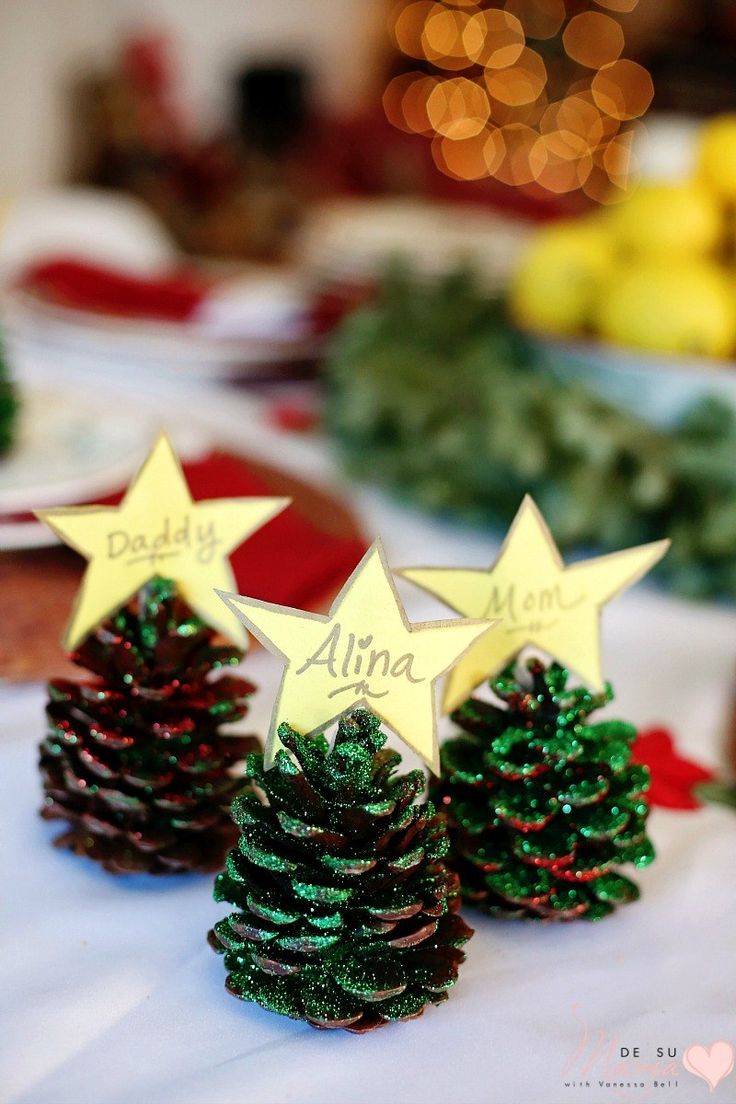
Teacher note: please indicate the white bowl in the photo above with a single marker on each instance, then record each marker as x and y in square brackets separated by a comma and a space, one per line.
[657, 387]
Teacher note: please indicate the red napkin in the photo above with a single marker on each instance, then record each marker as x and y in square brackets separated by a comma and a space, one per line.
[84, 286]
[291, 560]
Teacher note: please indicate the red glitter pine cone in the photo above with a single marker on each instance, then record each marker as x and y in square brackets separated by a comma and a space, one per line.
[134, 757]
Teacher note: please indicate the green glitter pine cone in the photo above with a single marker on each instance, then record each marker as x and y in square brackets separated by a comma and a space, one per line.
[542, 806]
[134, 758]
[346, 915]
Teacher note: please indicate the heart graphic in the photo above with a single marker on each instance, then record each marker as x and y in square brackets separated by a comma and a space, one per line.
[712, 1065]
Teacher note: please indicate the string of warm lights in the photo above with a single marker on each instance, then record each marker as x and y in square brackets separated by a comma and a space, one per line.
[555, 116]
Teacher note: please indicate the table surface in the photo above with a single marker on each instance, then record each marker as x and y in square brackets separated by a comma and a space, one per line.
[110, 994]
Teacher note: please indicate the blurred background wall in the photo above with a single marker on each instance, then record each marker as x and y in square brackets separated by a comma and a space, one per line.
[46, 43]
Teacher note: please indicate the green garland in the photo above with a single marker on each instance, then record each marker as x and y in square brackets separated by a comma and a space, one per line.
[8, 407]
[432, 392]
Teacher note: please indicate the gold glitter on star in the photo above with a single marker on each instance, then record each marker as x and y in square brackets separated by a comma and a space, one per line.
[364, 652]
[539, 600]
[158, 530]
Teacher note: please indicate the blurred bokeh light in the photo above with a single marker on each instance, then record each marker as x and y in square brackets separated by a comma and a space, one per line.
[531, 93]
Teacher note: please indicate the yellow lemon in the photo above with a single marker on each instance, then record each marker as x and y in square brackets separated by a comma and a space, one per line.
[681, 307]
[556, 283]
[717, 156]
[667, 220]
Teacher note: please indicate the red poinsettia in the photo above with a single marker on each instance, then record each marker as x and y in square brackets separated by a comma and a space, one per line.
[673, 777]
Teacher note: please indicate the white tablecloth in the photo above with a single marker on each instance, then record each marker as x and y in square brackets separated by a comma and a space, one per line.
[110, 995]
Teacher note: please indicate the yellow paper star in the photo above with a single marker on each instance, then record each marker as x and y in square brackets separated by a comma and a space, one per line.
[539, 601]
[364, 652]
[158, 530]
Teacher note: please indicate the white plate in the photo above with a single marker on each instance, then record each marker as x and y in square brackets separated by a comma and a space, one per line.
[68, 449]
[19, 536]
[352, 240]
[206, 349]
[101, 227]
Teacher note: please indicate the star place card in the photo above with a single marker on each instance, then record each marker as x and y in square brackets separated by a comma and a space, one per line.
[158, 530]
[538, 600]
[363, 652]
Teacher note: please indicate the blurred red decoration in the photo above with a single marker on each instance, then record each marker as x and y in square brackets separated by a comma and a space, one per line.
[291, 417]
[84, 286]
[673, 777]
[235, 193]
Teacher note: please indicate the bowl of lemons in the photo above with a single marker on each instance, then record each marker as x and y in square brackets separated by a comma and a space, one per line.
[640, 298]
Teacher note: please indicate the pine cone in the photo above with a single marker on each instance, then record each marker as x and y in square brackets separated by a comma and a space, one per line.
[346, 915]
[134, 758]
[542, 806]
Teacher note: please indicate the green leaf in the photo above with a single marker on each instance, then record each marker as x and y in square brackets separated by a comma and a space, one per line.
[717, 793]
